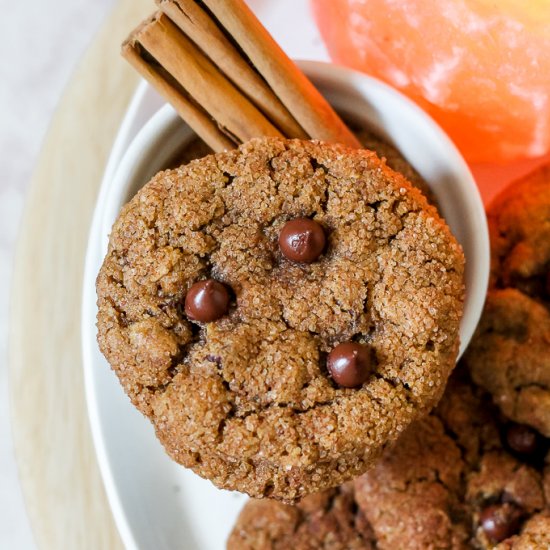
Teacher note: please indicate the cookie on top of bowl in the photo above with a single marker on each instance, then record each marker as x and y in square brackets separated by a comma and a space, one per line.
[510, 352]
[281, 312]
[464, 477]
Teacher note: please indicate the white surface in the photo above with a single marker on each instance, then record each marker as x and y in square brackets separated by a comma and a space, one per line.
[42, 40]
[156, 503]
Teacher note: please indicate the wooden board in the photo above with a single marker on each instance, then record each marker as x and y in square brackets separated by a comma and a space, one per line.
[61, 483]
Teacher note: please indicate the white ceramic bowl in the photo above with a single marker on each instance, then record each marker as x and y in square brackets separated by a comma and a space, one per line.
[390, 115]
[156, 503]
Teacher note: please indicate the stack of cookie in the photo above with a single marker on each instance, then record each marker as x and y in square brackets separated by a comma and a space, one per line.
[285, 312]
[476, 472]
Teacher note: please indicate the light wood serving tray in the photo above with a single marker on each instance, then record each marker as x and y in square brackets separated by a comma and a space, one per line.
[63, 490]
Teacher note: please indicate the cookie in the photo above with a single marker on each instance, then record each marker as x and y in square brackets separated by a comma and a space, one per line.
[510, 352]
[462, 478]
[465, 477]
[330, 520]
[219, 310]
[519, 225]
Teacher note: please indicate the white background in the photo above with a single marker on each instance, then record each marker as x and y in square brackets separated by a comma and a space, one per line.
[41, 42]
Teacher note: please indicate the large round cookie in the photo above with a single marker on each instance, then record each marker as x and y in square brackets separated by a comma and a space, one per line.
[510, 353]
[455, 480]
[246, 400]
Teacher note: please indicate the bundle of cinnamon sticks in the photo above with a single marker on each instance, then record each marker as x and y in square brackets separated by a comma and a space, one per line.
[226, 76]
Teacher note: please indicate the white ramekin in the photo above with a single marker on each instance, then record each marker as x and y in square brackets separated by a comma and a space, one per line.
[139, 478]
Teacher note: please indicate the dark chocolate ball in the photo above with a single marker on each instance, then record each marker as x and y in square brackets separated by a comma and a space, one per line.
[522, 439]
[350, 364]
[206, 301]
[500, 521]
[302, 240]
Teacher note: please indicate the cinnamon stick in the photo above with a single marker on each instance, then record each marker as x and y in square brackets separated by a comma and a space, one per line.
[202, 29]
[189, 111]
[199, 77]
[290, 85]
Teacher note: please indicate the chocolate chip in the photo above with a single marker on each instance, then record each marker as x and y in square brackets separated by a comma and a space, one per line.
[522, 439]
[302, 240]
[500, 521]
[206, 301]
[349, 364]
